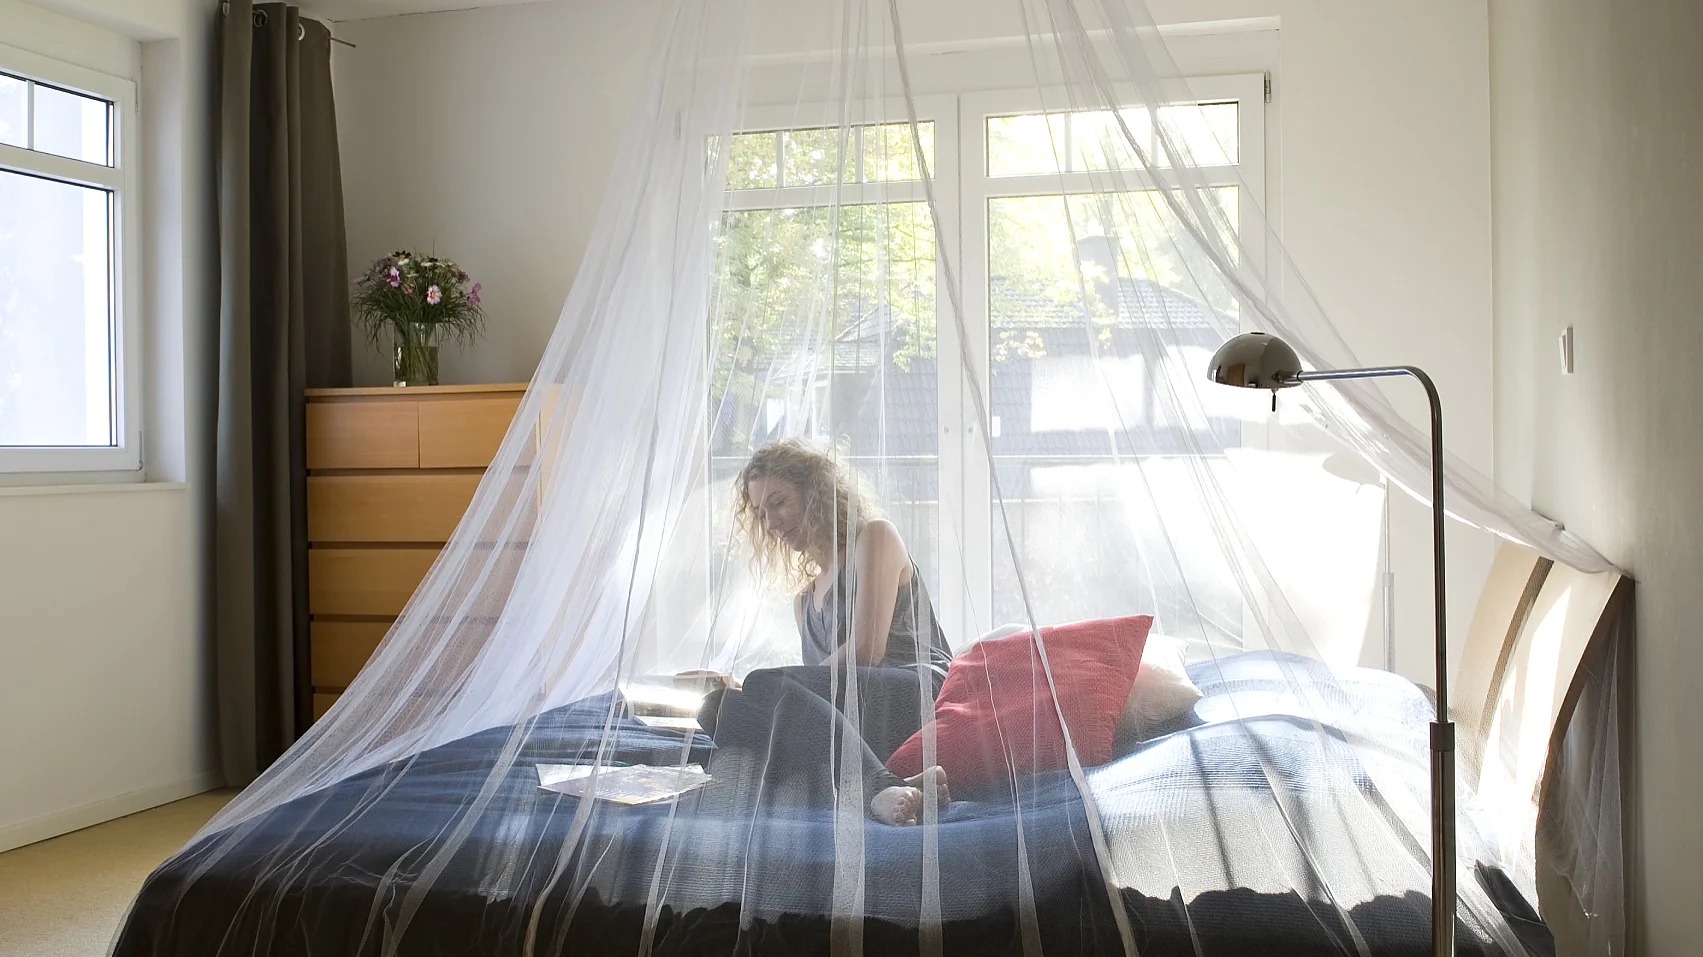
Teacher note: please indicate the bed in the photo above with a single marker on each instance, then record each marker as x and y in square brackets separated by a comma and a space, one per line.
[1242, 898]
[1278, 745]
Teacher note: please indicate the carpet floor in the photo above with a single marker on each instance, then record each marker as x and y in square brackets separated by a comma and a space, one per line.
[64, 897]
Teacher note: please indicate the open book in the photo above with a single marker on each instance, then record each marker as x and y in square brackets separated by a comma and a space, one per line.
[634, 784]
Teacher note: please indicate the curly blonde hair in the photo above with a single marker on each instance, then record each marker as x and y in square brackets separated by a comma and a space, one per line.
[835, 505]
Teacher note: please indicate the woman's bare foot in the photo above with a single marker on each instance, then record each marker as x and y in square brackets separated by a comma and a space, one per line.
[903, 805]
[943, 793]
[896, 805]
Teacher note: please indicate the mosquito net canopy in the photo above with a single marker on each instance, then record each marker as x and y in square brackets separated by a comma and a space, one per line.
[872, 568]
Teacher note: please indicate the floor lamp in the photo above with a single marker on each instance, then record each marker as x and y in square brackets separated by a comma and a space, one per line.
[1255, 360]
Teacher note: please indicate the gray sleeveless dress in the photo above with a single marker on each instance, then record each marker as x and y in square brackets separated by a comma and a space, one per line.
[914, 640]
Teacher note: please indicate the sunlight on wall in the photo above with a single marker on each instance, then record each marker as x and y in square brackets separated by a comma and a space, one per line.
[1319, 534]
[1517, 741]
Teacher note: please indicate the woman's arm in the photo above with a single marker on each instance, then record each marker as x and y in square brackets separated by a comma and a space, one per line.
[879, 562]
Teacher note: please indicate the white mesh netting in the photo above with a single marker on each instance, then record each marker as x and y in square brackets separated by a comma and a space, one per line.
[978, 327]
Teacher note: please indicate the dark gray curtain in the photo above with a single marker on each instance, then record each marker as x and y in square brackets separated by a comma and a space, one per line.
[283, 327]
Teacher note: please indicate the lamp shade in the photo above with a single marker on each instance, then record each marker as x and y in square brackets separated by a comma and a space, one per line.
[1255, 360]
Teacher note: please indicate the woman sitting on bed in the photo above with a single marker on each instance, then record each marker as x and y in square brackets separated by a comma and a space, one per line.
[864, 617]
[862, 600]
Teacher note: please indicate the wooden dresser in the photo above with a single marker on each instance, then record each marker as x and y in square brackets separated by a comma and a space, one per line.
[390, 472]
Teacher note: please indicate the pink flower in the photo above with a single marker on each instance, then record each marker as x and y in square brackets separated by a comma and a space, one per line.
[473, 297]
[395, 277]
[434, 295]
[407, 290]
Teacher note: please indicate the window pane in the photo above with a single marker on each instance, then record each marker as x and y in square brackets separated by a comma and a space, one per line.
[14, 111]
[1099, 141]
[1093, 543]
[811, 156]
[889, 156]
[55, 314]
[1129, 236]
[1030, 145]
[774, 278]
[1024, 145]
[786, 285]
[752, 163]
[71, 125]
[1208, 132]
[1088, 417]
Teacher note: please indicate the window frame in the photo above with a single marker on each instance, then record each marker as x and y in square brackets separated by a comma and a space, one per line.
[120, 181]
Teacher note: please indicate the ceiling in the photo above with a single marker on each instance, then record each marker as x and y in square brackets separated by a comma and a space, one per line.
[337, 10]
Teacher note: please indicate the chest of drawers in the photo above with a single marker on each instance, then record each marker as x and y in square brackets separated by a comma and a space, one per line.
[390, 472]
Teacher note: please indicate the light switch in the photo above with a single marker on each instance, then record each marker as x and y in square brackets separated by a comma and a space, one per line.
[1567, 351]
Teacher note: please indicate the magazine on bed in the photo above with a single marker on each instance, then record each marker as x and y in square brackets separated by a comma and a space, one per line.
[634, 784]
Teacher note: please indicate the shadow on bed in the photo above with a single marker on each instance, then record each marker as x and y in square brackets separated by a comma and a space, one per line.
[1235, 922]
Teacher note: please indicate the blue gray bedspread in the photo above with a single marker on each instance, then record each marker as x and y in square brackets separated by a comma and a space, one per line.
[1253, 828]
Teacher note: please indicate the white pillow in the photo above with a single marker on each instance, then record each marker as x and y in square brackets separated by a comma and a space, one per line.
[1003, 631]
[1163, 692]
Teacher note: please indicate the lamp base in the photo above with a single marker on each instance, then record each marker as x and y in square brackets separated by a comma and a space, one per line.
[1443, 839]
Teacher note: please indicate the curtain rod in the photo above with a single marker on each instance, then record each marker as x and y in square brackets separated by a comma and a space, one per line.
[301, 31]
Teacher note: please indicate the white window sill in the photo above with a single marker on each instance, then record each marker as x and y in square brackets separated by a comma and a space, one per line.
[104, 488]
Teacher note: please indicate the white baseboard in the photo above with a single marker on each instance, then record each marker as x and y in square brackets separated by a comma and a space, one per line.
[97, 812]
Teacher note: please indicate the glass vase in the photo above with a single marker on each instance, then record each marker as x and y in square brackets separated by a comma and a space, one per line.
[416, 357]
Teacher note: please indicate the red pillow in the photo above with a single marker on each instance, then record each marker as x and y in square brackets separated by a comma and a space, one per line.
[995, 715]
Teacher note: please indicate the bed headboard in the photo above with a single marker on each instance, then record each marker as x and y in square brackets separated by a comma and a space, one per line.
[1538, 712]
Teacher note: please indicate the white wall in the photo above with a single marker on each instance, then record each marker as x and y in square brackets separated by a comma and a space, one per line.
[488, 135]
[101, 682]
[1382, 143]
[1599, 225]
[105, 704]
[136, 19]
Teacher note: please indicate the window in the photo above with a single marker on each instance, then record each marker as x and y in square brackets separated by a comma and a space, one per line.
[1079, 458]
[68, 400]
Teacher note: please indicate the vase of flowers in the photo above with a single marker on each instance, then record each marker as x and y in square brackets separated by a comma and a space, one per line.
[416, 302]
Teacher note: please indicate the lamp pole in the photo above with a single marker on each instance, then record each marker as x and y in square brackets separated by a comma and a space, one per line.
[1258, 360]
[1442, 729]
